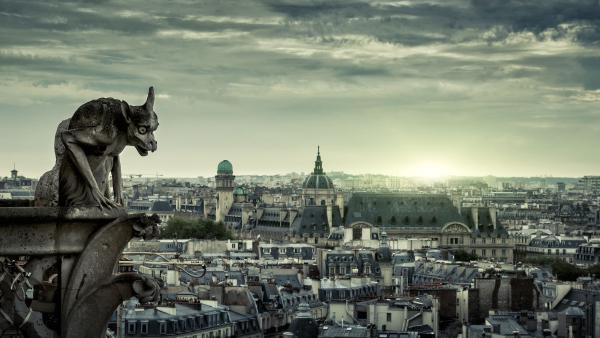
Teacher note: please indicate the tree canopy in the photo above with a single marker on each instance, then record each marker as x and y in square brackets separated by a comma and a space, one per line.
[196, 229]
[464, 256]
[564, 271]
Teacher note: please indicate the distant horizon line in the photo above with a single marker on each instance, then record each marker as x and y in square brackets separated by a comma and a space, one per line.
[335, 172]
[369, 174]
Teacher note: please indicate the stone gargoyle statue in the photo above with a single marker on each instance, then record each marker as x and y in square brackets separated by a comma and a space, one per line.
[87, 148]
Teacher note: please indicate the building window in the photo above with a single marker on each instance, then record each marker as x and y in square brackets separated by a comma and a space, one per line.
[144, 328]
[356, 233]
[131, 327]
[389, 317]
[282, 251]
[163, 328]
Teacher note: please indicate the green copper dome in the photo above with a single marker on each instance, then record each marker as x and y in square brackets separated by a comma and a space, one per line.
[239, 191]
[225, 167]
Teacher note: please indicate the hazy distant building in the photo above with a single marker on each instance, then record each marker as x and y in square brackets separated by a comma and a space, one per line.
[17, 187]
[589, 184]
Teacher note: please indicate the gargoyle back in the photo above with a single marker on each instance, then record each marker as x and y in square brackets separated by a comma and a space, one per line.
[105, 112]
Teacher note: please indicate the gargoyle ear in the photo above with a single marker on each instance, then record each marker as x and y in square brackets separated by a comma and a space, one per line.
[150, 100]
[126, 111]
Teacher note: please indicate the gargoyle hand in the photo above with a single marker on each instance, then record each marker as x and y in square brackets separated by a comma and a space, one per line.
[102, 201]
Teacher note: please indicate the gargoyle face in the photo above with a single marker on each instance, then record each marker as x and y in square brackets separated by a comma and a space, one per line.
[141, 124]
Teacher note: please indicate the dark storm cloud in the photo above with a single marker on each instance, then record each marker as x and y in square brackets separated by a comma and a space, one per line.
[447, 73]
[537, 16]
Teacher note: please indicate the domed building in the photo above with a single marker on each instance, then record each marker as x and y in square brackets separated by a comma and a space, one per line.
[318, 213]
[224, 182]
[239, 195]
[318, 189]
[225, 168]
[230, 205]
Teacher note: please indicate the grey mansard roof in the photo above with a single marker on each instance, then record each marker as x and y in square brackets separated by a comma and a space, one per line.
[411, 210]
[555, 242]
[403, 210]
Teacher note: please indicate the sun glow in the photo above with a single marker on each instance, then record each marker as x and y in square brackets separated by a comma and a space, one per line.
[431, 170]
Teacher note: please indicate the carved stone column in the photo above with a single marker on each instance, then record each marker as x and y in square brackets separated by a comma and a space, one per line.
[56, 269]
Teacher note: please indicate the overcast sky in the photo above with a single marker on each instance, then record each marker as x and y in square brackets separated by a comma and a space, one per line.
[395, 87]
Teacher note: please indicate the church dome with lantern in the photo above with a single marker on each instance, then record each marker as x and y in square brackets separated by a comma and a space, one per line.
[318, 179]
[318, 188]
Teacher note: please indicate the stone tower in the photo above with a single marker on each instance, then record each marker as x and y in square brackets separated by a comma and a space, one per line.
[14, 173]
[224, 186]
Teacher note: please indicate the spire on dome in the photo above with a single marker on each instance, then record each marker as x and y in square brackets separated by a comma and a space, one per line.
[318, 163]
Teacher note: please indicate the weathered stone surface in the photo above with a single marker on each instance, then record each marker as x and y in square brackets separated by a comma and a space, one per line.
[87, 148]
[46, 191]
[71, 255]
[57, 259]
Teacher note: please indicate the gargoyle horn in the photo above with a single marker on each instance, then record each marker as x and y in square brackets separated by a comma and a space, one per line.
[150, 100]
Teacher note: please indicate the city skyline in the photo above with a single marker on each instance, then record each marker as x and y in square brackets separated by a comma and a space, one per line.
[403, 88]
